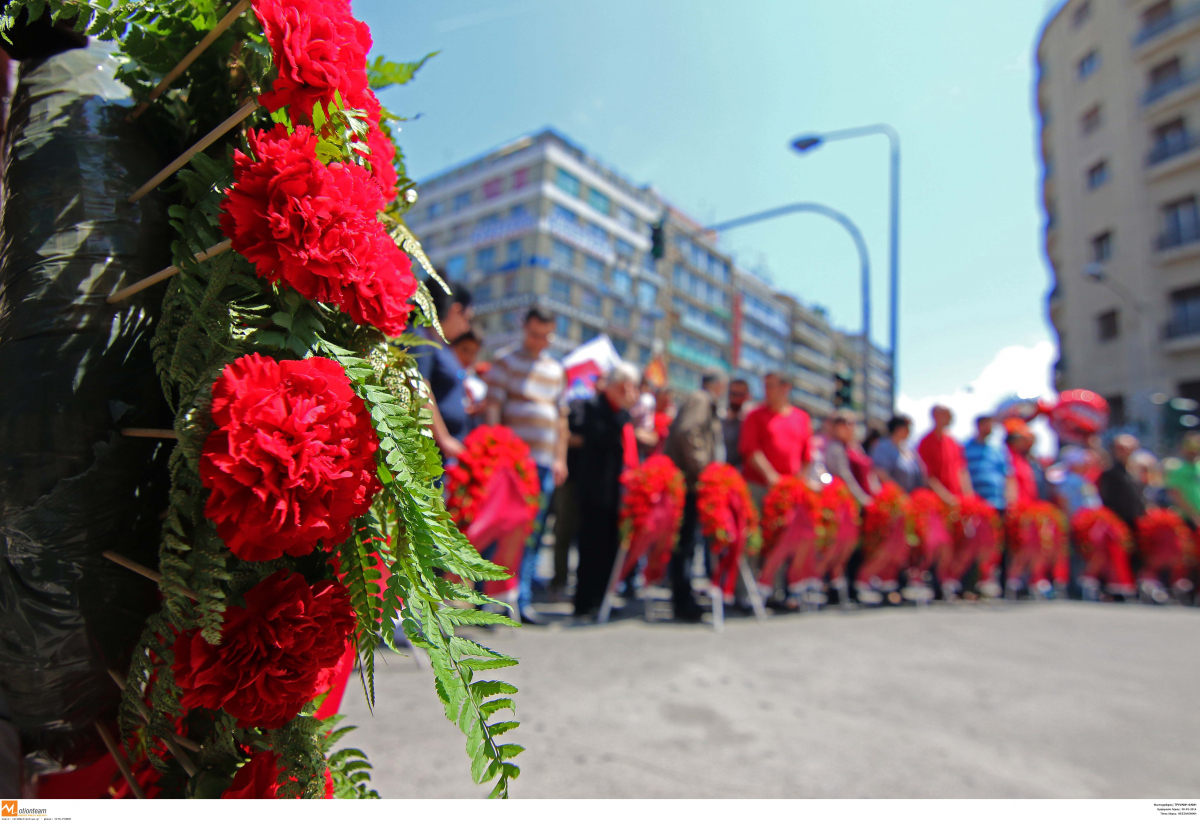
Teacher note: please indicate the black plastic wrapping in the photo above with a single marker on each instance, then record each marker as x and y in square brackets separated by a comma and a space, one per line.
[73, 371]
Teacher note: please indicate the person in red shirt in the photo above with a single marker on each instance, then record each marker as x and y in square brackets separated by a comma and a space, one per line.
[775, 436]
[943, 457]
[1020, 440]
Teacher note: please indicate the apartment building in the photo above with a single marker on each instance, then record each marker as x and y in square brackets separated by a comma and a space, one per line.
[1118, 94]
[848, 359]
[540, 222]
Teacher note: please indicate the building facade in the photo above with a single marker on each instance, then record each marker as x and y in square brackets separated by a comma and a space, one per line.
[1118, 94]
[848, 359]
[539, 222]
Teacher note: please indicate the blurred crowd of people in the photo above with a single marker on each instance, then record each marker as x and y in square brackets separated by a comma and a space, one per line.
[582, 446]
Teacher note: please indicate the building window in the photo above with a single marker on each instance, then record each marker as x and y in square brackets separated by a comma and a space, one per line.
[594, 268]
[510, 285]
[627, 218]
[1088, 64]
[596, 232]
[456, 266]
[621, 345]
[562, 255]
[1185, 312]
[1170, 139]
[622, 282]
[589, 301]
[520, 178]
[567, 182]
[512, 251]
[1108, 326]
[1090, 120]
[1116, 410]
[1097, 175]
[560, 289]
[518, 211]
[647, 296]
[462, 201]
[562, 327]
[646, 326]
[434, 210]
[1102, 247]
[624, 249]
[587, 332]
[1157, 15]
[493, 188]
[1164, 77]
[1180, 223]
[599, 201]
[621, 316]
[564, 214]
[485, 259]
[1082, 12]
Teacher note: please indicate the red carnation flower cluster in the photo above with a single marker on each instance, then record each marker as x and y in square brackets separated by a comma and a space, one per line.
[1093, 529]
[890, 508]
[973, 514]
[784, 496]
[1162, 529]
[259, 778]
[292, 458]
[927, 509]
[488, 448]
[717, 485]
[315, 228]
[655, 482]
[320, 50]
[272, 651]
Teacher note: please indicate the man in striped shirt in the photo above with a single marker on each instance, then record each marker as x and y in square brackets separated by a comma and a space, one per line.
[526, 388]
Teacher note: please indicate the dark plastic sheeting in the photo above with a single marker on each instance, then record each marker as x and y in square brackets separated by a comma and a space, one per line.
[73, 370]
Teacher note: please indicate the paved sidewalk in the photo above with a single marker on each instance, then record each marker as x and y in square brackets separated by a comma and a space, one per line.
[1055, 700]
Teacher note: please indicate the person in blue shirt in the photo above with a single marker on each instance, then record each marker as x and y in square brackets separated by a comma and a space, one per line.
[991, 472]
[442, 369]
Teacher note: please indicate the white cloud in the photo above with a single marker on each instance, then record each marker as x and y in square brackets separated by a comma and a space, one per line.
[1017, 370]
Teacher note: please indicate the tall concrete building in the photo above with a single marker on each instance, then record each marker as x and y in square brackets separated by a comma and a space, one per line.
[540, 222]
[848, 359]
[1118, 93]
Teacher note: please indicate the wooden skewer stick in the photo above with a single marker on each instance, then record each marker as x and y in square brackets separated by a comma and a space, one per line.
[183, 64]
[208, 139]
[149, 433]
[167, 273]
[142, 570]
[183, 758]
[122, 761]
[182, 741]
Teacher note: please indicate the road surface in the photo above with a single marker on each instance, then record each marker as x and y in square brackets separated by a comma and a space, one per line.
[1053, 700]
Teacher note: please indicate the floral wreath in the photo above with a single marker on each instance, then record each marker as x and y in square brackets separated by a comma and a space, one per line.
[974, 512]
[1089, 524]
[300, 420]
[888, 507]
[653, 485]
[789, 493]
[1161, 525]
[837, 504]
[717, 484]
[489, 448]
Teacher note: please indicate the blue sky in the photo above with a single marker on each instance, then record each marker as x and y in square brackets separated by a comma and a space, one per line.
[701, 99]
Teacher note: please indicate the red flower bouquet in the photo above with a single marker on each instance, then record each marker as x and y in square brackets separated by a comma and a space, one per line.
[272, 651]
[932, 522]
[1093, 528]
[791, 518]
[1165, 543]
[315, 228]
[292, 459]
[319, 50]
[977, 532]
[1036, 533]
[728, 519]
[887, 523]
[839, 531]
[651, 511]
[259, 778]
[489, 448]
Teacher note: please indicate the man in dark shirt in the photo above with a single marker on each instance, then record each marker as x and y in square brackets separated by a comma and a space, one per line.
[442, 368]
[566, 499]
[1119, 491]
[598, 484]
[731, 425]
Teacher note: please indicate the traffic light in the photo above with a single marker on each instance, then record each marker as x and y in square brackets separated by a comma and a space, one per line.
[843, 397]
[658, 245]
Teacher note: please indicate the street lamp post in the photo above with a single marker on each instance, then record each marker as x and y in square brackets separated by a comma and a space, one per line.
[864, 264]
[811, 141]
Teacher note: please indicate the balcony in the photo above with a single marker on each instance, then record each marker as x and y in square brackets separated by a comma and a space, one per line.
[1153, 31]
[1178, 238]
[704, 329]
[1181, 334]
[1169, 86]
[696, 357]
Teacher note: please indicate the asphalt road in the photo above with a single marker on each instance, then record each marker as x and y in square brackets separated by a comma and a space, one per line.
[1054, 700]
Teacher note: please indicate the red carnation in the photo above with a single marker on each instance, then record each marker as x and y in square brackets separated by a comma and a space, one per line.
[318, 49]
[272, 651]
[488, 449]
[315, 227]
[292, 459]
[259, 778]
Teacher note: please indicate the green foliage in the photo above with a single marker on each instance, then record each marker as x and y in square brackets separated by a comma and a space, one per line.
[383, 73]
[218, 310]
